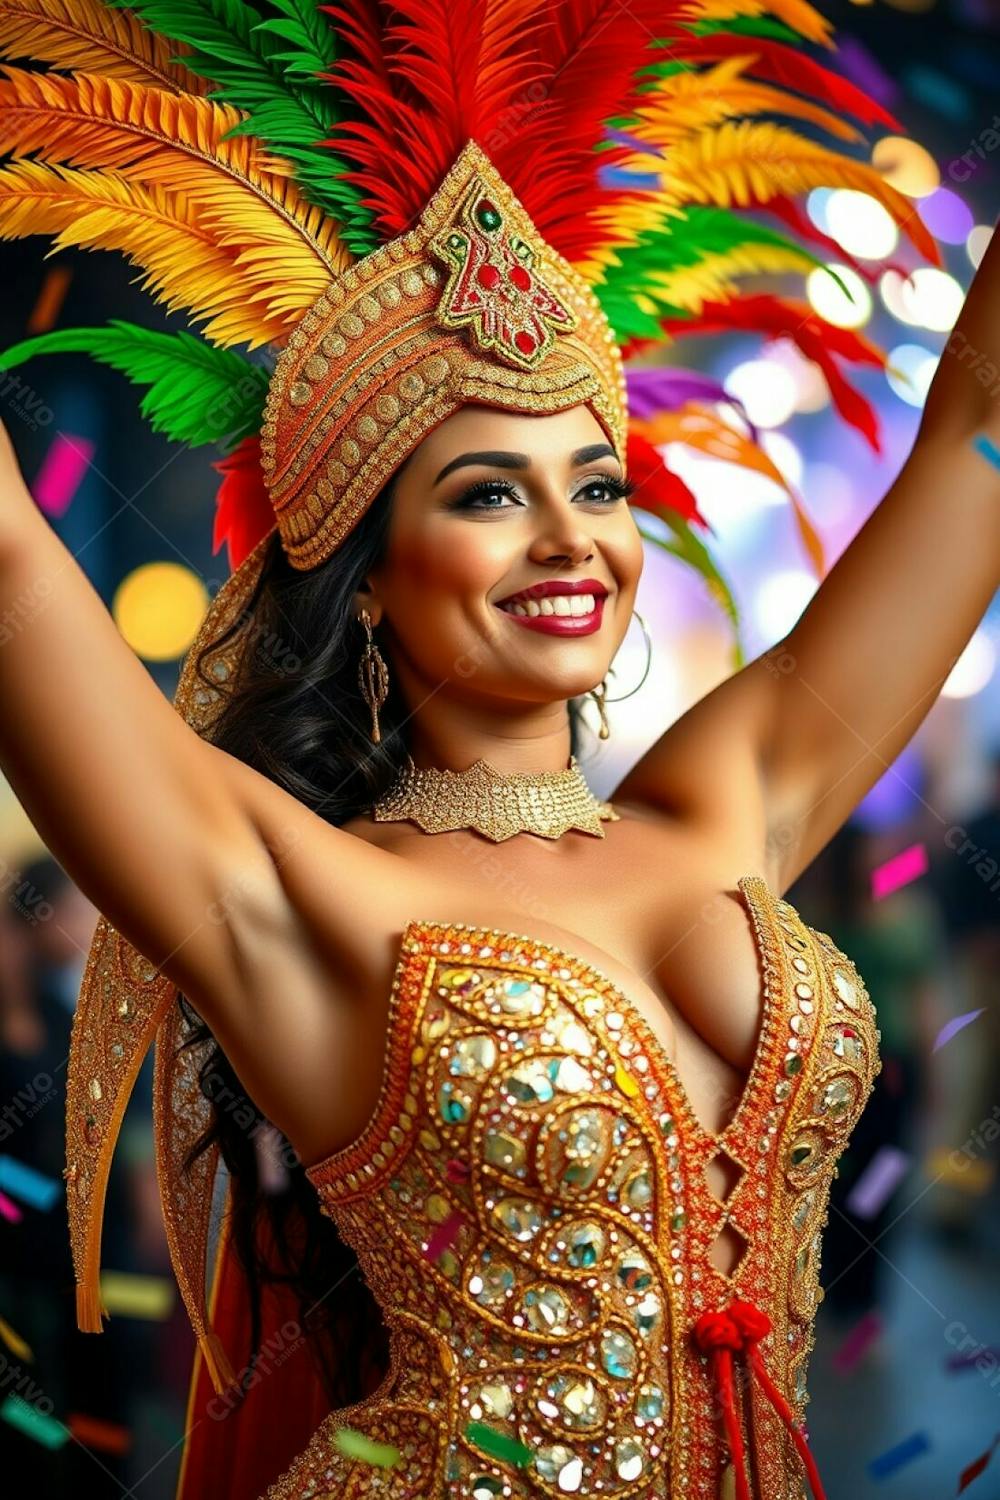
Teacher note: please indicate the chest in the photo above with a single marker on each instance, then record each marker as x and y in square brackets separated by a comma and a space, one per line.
[657, 914]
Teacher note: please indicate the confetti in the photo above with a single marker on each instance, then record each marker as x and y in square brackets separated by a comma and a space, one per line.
[956, 1023]
[976, 1468]
[15, 1343]
[894, 1458]
[973, 1175]
[34, 1424]
[50, 299]
[137, 1296]
[356, 1445]
[32, 1187]
[967, 1360]
[857, 1342]
[94, 1432]
[989, 450]
[499, 1444]
[899, 871]
[444, 1235]
[10, 1210]
[878, 1181]
[62, 469]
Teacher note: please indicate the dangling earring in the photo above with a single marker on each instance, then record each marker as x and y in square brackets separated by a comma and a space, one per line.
[373, 677]
[599, 693]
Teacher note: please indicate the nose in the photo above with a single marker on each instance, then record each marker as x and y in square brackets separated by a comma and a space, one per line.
[562, 537]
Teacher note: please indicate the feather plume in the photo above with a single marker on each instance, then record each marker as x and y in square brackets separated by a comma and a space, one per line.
[268, 69]
[747, 162]
[244, 514]
[89, 37]
[197, 394]
[797, 15]
[706, 432]
[186, 266]
[284, 250]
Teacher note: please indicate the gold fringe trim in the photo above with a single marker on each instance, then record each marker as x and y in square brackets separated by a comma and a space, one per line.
[220, 1371]
[90, 1310]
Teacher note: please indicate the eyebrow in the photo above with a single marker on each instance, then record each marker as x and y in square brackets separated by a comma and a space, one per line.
[502, 460]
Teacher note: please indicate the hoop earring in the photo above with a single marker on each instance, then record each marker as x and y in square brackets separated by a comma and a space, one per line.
[599, 693]
[373, 677]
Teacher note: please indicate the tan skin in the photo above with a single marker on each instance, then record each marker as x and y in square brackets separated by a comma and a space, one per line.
[285, 931]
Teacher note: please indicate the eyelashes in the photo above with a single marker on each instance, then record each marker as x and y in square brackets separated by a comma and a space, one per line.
[618, 489]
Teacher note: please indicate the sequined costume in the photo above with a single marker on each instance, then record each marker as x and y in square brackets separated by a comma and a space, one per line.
[525, 1093]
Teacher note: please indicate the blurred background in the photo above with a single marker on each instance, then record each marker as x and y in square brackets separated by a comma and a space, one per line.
[905, 1375]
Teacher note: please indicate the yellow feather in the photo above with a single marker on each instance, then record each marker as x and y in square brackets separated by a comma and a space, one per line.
[797, 14]
[88, 36]
[185, 266]
[688, 101]
[174, 142]
[739, 162]
[712, 279]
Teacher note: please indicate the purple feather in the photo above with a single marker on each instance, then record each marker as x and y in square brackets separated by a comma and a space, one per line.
[665, 389]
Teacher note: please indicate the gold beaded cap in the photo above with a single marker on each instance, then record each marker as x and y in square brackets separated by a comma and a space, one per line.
[472, 305]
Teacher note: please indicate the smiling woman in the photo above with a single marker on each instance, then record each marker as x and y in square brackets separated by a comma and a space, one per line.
[569, 1174]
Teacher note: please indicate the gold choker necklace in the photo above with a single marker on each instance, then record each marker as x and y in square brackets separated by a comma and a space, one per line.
[495, 804]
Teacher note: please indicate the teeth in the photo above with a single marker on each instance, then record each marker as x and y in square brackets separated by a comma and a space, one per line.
[554, 604]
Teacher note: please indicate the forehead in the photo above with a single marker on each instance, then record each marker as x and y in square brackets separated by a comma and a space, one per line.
[544, 438]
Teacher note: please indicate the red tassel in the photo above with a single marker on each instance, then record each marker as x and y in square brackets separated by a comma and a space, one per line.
[739, 1327]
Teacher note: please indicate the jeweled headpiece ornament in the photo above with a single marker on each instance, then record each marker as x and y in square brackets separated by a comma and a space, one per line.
[419, 204]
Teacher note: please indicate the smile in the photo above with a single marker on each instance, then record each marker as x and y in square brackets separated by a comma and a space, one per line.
[558, 614]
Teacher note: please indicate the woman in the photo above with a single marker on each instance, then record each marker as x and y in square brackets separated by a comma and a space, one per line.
[586, 1195]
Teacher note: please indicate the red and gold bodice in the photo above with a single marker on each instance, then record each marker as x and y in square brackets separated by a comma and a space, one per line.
[530, 1206]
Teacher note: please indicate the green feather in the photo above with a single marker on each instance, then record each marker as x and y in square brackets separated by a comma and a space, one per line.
[197, 393]
[749, 26]
[268, 68]
[690, 549]
[676, 243]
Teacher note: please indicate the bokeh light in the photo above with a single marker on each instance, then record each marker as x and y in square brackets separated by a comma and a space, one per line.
[975, 245]
[910, 371]
[811, 390]
[816, 207]
[948, 217]
[906, 166]
[859, 223]
[831, 303]
[766, 389]
[933, 299]
[785, 456]
[891, 285]
[780, 600]
[974, 668]
[158, 608]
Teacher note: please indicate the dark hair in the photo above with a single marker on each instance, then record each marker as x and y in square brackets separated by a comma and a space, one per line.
[296, 714]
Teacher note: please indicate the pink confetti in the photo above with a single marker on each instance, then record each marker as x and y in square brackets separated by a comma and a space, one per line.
[957, 1023]
[878, 1181]
[860, 1338]
[899, 870]
[444, 1236]
[62, 469]
[10, 1210]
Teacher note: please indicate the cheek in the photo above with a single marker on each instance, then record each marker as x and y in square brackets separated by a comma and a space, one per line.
[458, 565]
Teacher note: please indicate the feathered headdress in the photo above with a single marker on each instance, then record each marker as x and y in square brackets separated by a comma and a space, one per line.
[417, 203]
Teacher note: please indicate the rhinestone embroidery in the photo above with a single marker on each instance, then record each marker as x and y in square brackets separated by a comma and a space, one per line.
[563, 1318]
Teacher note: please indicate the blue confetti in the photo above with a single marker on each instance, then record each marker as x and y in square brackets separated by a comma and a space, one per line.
[988, 449]
[25, 1183]
[894, 1458]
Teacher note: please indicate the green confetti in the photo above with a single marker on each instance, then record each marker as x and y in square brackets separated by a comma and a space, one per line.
[499, 1445]
[356, 1445]
[36, 1424]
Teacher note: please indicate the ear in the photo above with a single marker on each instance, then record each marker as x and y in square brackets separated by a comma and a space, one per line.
[366, 597]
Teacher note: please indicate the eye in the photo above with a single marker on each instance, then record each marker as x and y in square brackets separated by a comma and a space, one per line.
[614, 489]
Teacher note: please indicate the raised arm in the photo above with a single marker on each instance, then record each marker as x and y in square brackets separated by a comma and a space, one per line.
[141, 812]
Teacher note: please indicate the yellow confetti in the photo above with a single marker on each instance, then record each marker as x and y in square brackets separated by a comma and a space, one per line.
[971, 1174]
[356, 1445]
[137, 1296]
[15, 1343]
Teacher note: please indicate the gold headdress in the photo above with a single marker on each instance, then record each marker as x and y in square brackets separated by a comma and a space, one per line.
[420, 204]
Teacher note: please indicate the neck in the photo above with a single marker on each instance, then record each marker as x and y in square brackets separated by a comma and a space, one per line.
[539, 742]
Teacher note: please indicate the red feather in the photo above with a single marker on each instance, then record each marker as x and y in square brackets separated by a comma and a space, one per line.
[794, 218]
[659, 489]
[244, 514]
[790, 68]
[778, 317]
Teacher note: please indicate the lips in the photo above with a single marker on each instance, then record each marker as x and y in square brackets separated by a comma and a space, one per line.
[559, 624]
